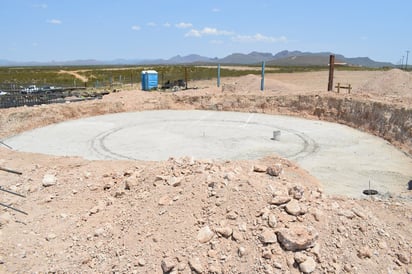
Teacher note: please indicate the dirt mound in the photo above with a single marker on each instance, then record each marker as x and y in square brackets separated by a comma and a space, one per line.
[187, 216]
[251, 84]
[394, 82]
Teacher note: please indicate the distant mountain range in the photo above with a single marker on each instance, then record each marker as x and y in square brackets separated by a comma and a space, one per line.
[283, 58]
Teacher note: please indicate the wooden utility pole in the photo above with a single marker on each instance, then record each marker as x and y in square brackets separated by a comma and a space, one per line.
[331, 70]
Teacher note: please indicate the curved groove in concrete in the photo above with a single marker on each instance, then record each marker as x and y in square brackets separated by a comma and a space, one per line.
[342, 158]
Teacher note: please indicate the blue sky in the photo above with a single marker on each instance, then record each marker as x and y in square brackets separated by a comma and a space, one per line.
[61, 30]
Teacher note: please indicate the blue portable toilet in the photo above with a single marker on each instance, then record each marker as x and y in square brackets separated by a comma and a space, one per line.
[149, 79]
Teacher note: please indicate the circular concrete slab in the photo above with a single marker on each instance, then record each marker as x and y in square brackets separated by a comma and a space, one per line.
[343, 159]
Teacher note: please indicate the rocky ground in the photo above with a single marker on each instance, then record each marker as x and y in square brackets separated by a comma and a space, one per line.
[185, 215]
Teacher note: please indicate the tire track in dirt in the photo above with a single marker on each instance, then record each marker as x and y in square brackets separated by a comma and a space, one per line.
[75, 74]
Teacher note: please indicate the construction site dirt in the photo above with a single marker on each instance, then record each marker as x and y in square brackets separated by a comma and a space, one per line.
[189, 213]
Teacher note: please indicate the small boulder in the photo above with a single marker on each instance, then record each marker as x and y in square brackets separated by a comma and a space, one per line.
[241, 251]
[274, 170]
[280, 200]
[297, 237]
[308, 266]
[259, 168]
[224, 231]
[49, 180]
[50, 236]
[272, 222]
[141, 262]
[196, 265]
[297, 192]
[167, 265]
[364, 252]
[403, 258]
[268, 237]
[293, 208]
[205, 234]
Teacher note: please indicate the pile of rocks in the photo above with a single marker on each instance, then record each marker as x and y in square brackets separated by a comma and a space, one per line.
[190, 216]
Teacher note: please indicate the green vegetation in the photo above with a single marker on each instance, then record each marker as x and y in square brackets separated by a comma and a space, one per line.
[105, 76]
[34, 75]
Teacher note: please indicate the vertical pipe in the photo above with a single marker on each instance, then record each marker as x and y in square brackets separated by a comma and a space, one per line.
[331, 70]
[218, 75]
[262, 82]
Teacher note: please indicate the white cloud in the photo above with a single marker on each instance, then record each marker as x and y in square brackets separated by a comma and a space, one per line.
[183, 25]
[216, 10]
[207, 31]
[40, 6]
[54, 21]
[136, 27]
[259, 38]
[151, 24]
[213, 31]
[193, 33]
[216, 42]
[167, 25]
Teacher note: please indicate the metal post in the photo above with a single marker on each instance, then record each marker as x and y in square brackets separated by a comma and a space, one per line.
[218, 75]
[6, 145]
[331, 70]
[262, 82]
[11, 171]
[13, 208]
[406, 63]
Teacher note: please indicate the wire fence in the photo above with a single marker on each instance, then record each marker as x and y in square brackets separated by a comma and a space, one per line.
[18, 79]
[34, 86]
[18, 100]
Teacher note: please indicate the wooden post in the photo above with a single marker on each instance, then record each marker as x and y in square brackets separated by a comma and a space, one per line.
[331, 70]
[338, 87]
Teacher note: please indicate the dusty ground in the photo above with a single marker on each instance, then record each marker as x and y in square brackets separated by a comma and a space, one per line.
[187, 216]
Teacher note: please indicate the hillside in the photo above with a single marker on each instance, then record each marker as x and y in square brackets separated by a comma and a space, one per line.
[283, 58]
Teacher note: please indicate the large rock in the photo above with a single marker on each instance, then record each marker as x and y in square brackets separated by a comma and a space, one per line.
[196, 265]
[167, 265]
[297, 237]
[293, 208]
[308, 266]
[224, 231]
[259, 168]
[274, 170]
[268, 237]
[280, 200]
[297, 192]
[49, 180]
[205, 234]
